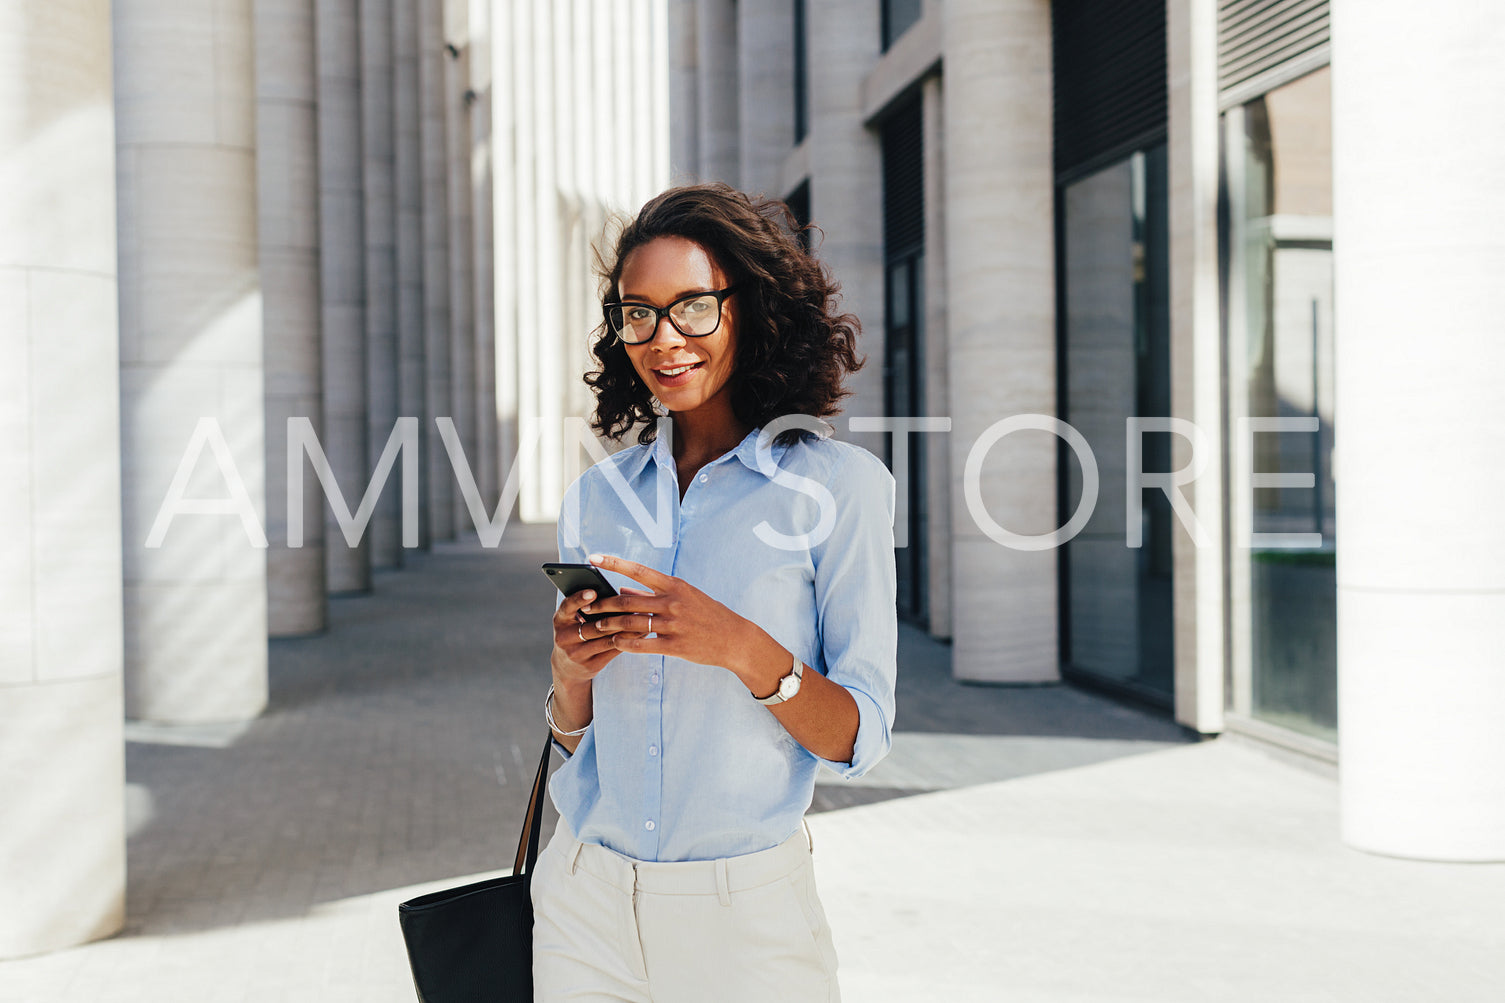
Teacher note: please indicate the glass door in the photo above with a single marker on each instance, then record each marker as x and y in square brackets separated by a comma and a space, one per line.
[1115, 357]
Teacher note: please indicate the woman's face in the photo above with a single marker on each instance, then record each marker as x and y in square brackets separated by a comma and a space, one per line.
[684, 373]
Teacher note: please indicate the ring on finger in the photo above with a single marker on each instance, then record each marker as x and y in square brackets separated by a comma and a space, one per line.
[580, 629]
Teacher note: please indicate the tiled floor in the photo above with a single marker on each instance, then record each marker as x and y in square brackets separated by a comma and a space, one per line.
[266, 861]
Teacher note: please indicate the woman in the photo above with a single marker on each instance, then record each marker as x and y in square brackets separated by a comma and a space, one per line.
[756, 642]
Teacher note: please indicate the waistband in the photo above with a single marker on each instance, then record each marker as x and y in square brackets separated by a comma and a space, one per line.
[721, 877]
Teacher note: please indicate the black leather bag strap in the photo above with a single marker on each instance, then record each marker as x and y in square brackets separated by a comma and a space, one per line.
[527, 841]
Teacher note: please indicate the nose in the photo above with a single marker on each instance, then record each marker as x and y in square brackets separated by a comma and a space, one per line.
[664, 324]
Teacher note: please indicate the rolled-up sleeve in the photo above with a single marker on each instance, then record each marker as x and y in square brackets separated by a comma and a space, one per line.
[855, 600]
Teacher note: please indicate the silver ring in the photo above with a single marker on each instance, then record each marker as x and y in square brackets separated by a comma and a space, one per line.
[580, 629]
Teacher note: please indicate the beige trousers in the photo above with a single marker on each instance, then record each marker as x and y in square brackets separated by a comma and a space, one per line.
[746, 929]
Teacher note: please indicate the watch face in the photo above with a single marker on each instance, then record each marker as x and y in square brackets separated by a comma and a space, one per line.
[789, 686]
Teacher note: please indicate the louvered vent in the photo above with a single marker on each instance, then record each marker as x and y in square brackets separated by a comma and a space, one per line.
[1109, 75]
[903, 182]
[1265, 43]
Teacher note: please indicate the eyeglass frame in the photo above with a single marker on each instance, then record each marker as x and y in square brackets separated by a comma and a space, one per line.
[659, 313]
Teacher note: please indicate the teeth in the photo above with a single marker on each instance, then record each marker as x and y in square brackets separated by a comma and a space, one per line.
[676, 372]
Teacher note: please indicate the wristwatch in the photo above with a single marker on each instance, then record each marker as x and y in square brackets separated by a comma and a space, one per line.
[788, 686]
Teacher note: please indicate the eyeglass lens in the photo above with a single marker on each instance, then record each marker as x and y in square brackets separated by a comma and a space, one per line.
[696, 316]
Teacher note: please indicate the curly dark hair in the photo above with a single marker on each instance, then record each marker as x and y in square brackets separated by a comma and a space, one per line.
[794, 350]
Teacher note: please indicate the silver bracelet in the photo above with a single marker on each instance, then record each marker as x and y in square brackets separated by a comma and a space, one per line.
[548, 715]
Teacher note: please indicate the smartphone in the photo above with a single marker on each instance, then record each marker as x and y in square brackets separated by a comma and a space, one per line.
[572, 578]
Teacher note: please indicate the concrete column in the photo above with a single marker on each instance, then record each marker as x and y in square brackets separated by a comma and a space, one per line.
[1000, 304]
[684, 91]
[190, 349]
[436, 263]
[287, 194]
[1421, 427]
[765, 92]
[716, 53]
[1196, 355]
[937, 379]
[533, 202]
[342, 281]
[412, 379]
[846, 193]
[378, 180]
[484, 462]
[61, 749]
[462, 311]
[506, 150]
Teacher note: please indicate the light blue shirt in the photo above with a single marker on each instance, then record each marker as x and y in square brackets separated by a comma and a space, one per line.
[680, 761]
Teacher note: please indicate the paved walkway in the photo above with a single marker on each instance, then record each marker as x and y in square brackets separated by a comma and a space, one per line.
[1035, 844]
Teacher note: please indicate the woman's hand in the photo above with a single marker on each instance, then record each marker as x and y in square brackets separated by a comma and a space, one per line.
[684, 622]
[581, 648]
[581, 651]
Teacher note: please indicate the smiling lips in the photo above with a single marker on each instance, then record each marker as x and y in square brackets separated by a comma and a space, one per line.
[677, 375]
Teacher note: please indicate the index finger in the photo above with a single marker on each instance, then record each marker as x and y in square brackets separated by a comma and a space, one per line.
[656, 580]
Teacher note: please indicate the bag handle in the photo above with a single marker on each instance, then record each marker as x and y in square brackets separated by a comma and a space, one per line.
[528, 839]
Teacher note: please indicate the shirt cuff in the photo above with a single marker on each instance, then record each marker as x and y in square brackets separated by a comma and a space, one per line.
[873, 740]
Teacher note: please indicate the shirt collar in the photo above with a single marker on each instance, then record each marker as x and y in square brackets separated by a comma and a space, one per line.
[658, 452]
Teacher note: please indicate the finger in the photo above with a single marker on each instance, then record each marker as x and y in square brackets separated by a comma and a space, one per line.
[630, 591]
[647, 602]
[642, 644]
[640, 623]
[655, 580]
[571, 604]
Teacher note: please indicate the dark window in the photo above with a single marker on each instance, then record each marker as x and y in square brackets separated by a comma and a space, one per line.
[904, 335]
[898, 17]
[801, 89]
[799, 204]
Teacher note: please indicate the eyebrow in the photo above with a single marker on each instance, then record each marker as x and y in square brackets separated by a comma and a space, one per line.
[628, 298]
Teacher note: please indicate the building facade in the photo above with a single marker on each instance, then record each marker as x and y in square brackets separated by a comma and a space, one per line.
[1136, 280]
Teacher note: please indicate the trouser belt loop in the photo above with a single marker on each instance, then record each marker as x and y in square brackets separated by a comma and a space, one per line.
[809, 838]
[723, 887]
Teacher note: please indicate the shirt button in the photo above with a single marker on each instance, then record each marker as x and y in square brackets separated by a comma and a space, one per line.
[704, 478]
[648, 825]
[652, 750]
[653, 678]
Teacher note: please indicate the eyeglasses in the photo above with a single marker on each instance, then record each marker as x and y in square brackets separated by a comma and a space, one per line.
[693, 316]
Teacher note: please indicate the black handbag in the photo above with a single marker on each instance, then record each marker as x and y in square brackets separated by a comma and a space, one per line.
[475, 943]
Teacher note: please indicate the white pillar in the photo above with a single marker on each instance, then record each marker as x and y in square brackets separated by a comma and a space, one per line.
[1000, 304]
[412, 378]
[683, 91]
[462, 313]
[937, 472]
[436, 262]
[846, 188]
[484, 461]
[506, 153]
[61, 750]
[342, 282]
[287, 180]
[190, 348]
[1421, 427]
[1196, 354]
[379, 183]
[716, 53]
[764, 90]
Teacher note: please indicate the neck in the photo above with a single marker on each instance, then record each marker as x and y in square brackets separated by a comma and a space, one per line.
[707, 432]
